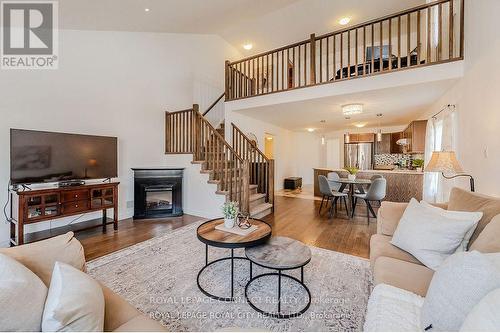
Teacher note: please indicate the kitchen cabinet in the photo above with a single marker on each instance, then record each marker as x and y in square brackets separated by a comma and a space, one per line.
[384, 146]
[360, 137]
[395, 148]
[415, 134]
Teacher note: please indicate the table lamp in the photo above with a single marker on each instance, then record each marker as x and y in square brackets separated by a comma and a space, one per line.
[446, 162]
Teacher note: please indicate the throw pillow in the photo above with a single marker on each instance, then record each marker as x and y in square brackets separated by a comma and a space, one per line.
[465, 242]
[75, 302]
[456, 287]
[484, 316]
[22, 297]
[431, 234]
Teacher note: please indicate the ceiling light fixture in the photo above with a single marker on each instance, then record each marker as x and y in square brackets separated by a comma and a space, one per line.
[147, 10]
[352, 109]
[345, 20]
[310, 130]
[360, 125]
[248, 46]
[379, 132]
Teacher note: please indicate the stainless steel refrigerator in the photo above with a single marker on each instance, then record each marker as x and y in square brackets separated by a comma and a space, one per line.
[359, 155]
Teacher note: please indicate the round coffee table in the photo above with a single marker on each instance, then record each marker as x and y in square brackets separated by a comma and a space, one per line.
[281, 254]
[210, 236]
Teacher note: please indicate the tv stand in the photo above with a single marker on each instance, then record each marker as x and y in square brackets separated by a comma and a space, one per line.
[42, 205]
[71, 183]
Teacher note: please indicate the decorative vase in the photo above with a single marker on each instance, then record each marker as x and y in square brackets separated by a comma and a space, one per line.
[420, 169]
[229, 222]
[351, 177]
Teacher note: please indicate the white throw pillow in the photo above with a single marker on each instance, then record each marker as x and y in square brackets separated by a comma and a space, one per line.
[456, 287]
[75, 302]
[431, 235]
[465, 242]
[22, 297]
[484, 316]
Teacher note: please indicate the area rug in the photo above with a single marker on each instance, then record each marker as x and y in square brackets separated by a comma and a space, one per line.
[158, 277]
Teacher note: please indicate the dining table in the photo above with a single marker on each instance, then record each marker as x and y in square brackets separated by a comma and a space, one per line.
[352, 185]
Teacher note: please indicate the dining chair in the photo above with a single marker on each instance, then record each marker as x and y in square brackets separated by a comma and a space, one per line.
[330, 192]
[376, 192]
[332, 178]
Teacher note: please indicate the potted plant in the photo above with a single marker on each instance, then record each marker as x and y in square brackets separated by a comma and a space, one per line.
[418, 163]
[352, 172]
[230, 213]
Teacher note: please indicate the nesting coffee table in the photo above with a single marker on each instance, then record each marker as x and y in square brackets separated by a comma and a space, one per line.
[210, 236]
[281, 254]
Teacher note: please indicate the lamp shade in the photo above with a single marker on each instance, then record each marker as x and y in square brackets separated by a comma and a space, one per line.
[444, 161]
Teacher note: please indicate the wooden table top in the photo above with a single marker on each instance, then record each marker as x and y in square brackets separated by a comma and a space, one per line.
[207, 234]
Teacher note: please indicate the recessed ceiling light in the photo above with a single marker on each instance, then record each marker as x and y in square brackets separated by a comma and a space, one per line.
[269, 138]
[345, 20]
[248, 46]
[147, 9]
[310, 130]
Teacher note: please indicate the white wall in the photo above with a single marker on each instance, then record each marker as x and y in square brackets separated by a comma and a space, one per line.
[116, 84]
[477, 97]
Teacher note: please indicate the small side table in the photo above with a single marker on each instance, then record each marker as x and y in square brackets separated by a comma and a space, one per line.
[281, 254]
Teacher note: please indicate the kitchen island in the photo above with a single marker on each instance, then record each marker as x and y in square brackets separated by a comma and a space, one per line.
[402, 185]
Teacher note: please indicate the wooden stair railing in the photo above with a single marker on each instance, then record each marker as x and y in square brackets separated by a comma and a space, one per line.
[429, 34]
[188, 132]
[261, 167]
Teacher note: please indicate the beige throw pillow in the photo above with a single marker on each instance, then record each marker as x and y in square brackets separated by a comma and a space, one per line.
[22, 297]
[75, 302]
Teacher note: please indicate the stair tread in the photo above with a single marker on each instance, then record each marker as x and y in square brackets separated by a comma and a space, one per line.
[260, 208]
[257, 196]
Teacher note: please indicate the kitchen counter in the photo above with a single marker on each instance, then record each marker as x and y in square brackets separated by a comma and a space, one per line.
[402, 185]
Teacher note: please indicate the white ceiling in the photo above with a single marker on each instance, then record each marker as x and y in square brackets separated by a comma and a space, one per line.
[265, 23]
[397, 106]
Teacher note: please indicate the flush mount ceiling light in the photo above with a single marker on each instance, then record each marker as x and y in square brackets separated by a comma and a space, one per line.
[352, 109]
[147, 10]
[310, 130]
[248, 46]
[360, 125]
[345, 20]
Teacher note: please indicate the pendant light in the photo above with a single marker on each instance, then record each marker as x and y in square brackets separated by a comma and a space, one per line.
[379, 131]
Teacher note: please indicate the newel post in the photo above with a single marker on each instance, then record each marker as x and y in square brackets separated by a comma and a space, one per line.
[313, 60]
[245, 205]
[271, 182]
[226, 74]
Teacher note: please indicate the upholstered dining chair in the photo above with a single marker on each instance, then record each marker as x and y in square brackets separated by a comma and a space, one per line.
[376, 192]
[330, 192]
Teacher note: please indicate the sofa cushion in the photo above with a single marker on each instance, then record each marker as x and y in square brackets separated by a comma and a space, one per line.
[484, 316]
[462, 200]
[488, 240]
[380, 246]
[388, 217]
[402, 274]
[392, 309]
[457, 286]
[75, 302]
[41, 256]
[22, 297]
[432, 234]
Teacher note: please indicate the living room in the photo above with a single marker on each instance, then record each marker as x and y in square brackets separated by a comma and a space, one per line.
[123, 160]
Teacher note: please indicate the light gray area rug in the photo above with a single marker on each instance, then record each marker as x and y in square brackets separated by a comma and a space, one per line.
[158, 277]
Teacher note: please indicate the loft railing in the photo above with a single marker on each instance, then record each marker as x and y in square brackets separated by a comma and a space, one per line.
[188, 132]
[425, 35]
[261, 168]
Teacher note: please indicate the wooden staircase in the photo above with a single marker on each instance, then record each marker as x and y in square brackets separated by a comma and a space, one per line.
[189, 132]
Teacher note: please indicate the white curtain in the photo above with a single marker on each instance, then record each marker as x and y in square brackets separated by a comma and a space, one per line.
[441, 135]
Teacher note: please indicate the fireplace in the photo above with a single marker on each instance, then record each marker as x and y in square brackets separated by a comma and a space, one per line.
[157, 193]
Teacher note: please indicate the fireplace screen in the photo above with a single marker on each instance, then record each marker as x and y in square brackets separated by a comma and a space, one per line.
[158, 198]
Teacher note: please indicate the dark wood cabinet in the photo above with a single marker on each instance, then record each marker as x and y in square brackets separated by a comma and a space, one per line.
[395, 148]
[360, 137]
[40, 205]
[415, 134]
[384, 146]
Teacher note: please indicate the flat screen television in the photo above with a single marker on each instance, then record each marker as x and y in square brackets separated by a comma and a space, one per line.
[43, 157]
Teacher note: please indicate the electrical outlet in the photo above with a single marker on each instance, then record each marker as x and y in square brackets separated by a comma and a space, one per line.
[130, 204]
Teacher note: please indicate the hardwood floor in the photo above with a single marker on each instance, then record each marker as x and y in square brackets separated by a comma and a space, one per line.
[293, 217]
